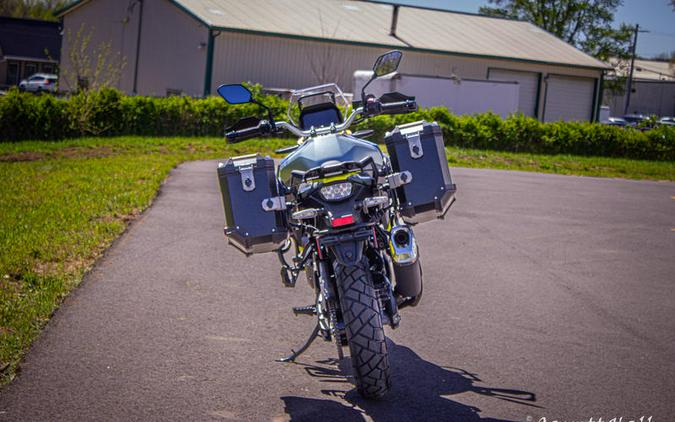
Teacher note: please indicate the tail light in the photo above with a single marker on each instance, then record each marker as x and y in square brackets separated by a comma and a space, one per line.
[345, 220]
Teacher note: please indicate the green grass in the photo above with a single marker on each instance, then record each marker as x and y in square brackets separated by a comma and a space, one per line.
[63, 203]
[563, 164]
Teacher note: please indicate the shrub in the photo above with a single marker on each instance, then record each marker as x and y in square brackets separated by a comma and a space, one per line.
[25, 116]
[109, 113]
[519, 133]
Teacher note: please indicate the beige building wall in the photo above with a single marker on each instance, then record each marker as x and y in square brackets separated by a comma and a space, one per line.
[107, 21]
[290, 63]
[172, 50]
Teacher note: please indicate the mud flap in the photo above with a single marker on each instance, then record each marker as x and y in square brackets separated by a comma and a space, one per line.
[349, 253]
[347, 247]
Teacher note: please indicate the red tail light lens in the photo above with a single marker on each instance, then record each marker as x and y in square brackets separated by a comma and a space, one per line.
[343, 221]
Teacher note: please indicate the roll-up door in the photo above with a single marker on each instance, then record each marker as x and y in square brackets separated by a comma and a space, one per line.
[569, 98]
[528, 83]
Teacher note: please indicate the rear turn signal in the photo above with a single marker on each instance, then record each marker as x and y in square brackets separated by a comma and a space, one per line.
[343, 221]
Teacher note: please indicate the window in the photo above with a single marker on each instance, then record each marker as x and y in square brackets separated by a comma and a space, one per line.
[48, 68]
[12, 73]
[29, 69]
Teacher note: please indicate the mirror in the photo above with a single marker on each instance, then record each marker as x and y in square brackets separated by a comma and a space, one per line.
[235, 94]
[387, 63]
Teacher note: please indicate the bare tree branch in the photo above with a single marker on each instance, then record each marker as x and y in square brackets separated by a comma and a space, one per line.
[90, 67]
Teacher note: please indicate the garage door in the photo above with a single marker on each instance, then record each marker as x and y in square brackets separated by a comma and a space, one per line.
[528, 83]
[569, 98]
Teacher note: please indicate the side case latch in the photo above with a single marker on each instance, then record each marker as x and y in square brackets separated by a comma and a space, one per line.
[247, 178]
[414, 144]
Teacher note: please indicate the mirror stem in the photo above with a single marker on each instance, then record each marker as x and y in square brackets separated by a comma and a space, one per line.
[363, 90]
[270, 117]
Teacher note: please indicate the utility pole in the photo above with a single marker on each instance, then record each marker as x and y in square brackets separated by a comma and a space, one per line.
[629, 83]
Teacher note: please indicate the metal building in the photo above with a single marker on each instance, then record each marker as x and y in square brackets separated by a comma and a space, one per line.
[653, 90]
[192, 46]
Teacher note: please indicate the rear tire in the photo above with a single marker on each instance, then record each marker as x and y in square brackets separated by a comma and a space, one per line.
[365, 333]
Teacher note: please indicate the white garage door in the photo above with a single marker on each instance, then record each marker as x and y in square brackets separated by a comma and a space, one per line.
[569, 98]
[528, 83]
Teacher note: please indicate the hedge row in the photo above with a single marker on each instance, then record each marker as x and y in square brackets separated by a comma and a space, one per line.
[110, 113]
[519, 133]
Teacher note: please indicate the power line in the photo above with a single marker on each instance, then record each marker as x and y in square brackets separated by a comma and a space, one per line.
[632, 68]
[663, 34]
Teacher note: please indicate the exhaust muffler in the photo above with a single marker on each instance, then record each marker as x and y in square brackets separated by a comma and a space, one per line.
[403, 245]
[407, 269]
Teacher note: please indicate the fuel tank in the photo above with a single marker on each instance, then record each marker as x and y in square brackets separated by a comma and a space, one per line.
[322, 149]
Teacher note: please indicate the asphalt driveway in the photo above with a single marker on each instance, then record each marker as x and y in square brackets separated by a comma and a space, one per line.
[545, 296]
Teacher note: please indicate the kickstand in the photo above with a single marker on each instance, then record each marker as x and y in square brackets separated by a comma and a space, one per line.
[301, 350]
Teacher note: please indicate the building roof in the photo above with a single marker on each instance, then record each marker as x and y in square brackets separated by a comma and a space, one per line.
[649, 70]
[366, 23]
[30, 39]
[487, 36]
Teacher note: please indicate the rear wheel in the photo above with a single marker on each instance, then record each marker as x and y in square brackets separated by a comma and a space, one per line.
[365, 332]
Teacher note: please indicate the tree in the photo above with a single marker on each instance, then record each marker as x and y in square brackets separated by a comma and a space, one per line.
[586, 24]
[90, 66]
[322, 59]
[36, 9]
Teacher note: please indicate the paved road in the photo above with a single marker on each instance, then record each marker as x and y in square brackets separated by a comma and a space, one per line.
[547, 296]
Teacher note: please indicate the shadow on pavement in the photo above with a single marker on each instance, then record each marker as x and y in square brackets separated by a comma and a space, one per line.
[418, 393]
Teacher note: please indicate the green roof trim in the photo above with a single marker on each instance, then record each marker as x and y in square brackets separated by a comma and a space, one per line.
[191, 14]
[68, 7]
[75, 3]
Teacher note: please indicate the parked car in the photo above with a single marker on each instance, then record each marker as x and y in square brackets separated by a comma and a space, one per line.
[635, 119]
[668, 121]
[39, 82]
[616, 121]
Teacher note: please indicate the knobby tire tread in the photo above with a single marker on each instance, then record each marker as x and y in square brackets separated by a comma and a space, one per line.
[365, 331]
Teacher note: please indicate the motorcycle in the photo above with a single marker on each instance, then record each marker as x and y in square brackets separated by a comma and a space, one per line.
[343, 210]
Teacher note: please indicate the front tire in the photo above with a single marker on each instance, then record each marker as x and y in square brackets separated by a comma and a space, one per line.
[365, 333]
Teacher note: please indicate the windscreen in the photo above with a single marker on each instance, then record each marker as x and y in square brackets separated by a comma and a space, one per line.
[313, 95]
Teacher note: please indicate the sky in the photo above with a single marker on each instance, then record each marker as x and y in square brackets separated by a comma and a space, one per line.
[656, 16]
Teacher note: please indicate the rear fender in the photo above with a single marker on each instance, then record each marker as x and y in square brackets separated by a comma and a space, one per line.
[348, 254]
[347, 248]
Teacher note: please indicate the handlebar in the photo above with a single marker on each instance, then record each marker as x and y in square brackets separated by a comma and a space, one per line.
[399, 107]
[265, 127]
[322, 130]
